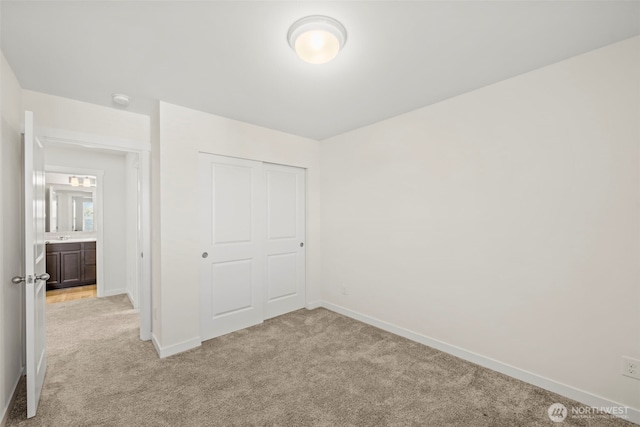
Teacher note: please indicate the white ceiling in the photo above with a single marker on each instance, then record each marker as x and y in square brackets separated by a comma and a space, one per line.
[232, 58]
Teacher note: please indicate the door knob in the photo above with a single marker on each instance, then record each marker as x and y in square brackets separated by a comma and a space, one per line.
[43, 277]
[205, 254]
[301, 244]
[18, 279]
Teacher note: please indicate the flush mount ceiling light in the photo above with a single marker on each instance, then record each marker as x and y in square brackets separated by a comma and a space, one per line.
[121, 99]
[317, 39]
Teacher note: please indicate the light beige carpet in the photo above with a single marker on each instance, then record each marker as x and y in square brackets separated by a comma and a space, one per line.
[306, 368]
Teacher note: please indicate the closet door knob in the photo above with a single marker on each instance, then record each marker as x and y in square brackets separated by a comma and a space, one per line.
[205, 254]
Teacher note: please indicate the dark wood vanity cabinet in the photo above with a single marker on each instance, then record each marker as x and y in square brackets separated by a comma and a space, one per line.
[71, 264]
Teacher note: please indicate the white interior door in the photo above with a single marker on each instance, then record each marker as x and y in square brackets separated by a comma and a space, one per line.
[232, 230]
[35, 267]
[284, 246]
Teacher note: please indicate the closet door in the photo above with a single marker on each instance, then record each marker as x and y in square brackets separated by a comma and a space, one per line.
[285, 240]
[232, 239]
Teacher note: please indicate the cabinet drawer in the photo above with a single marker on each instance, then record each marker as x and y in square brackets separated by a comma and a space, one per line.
[63, 247]
[89, 245]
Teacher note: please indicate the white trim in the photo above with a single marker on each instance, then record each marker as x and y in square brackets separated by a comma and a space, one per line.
[132, 240]
[12, 400]
[90, 140]
[113, 292]
[156, 344]
[99, 215]
[131, 301]
[98, 173]
[313, 305]
[576, 394]
[181, 347]
[144, 289]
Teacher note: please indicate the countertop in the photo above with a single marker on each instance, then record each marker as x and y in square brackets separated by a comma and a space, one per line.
[71, 240]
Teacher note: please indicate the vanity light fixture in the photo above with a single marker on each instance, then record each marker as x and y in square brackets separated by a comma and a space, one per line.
[74, 181]
[317, 39]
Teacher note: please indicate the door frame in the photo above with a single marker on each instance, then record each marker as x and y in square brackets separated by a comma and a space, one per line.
[99, 215]
[143, 149]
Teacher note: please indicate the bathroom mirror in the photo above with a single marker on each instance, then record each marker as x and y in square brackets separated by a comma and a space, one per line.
[69, 208]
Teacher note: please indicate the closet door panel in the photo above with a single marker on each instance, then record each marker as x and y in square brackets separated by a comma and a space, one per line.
[281, 275]
[252, 228]
[232, 235]
[284, 246]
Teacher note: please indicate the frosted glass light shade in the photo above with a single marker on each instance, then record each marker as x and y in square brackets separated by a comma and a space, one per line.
[317, 39]
[74, 181]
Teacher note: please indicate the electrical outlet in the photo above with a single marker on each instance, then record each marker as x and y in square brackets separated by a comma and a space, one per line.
[631, 367]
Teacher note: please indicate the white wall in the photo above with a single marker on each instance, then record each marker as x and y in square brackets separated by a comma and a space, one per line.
[114, 221]
[184, 133]
[68, 114]
[504, 221]
[11, 239]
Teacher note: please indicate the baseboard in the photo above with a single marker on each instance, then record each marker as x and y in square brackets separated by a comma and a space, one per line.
[156, 344]
[114, 292]
[132, 301]
[7, 409]
[313, 305]
[145, 336]
[175, 348]
[584, 397]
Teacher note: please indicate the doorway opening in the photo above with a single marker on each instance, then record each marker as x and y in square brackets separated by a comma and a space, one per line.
[71, 233]
[98, 220]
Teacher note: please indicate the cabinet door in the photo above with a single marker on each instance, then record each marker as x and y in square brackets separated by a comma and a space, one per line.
[70, 267]
[53, 268]
[89, 264]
